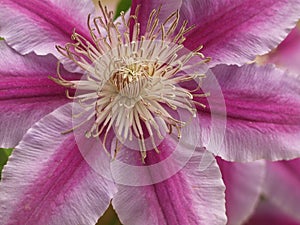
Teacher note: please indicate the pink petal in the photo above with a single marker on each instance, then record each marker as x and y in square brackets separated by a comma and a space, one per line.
[263, 114]
[282, 186]
[189, 197]
[266, 213]
[47, 180]
[243, 183]
[234, 32]
[26, 92]
[38, 26]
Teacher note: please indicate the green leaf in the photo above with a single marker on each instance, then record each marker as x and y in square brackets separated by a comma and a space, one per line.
[1, 38]
[4, 154]
[123, 5]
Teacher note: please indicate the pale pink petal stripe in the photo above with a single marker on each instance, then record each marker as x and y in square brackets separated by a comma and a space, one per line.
[48, 182]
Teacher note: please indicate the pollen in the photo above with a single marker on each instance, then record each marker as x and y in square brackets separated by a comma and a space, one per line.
[133, 83]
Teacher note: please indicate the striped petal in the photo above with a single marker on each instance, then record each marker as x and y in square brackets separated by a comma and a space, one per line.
[48, 181]
[234, 32]
[263, 114]
[39, 25]
[26, 92]
[191, 196]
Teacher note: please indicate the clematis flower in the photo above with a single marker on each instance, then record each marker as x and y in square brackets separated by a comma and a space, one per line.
[53, 174]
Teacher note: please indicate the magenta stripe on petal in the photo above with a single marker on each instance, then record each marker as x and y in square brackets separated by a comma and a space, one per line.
[47, 180]
[12, 88]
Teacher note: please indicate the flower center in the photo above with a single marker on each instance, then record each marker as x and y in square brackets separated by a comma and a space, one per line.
[133, 83]
[129, 74]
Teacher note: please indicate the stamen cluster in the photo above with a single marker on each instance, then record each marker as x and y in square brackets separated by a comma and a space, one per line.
[133, 82]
